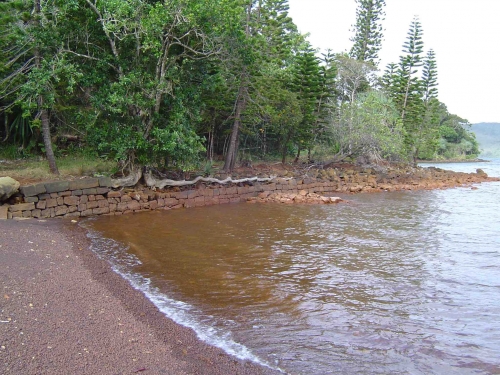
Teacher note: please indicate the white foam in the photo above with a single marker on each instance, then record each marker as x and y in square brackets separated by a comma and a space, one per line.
[180, 312]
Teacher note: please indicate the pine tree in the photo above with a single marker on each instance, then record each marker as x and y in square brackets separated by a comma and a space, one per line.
[269, 36]
[389, 78]
[326, 101]
[277, 28]
[409, 64]
[307, 84]
[368, 30]
[403, 85]
[427, 133]
[429, 76]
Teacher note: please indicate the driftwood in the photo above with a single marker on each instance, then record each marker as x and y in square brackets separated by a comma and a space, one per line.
[160, 184]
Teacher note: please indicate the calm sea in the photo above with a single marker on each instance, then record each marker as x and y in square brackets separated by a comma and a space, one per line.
[390, 283]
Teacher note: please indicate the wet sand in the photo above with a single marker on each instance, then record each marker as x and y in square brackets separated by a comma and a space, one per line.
[64, 311]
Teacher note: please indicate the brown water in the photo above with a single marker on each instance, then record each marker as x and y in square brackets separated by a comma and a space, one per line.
[399, 283]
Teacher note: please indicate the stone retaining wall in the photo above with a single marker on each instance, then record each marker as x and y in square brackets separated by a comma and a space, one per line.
[84, 197]
[94, 196]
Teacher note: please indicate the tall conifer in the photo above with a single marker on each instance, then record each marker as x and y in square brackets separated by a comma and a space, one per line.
[368, 30]
[409, 64]
[306, 83]
[429, 76]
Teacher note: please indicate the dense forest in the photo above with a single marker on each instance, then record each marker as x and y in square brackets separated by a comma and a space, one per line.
[172, 84]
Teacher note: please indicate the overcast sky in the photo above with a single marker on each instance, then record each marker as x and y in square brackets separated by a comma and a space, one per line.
[465, 35]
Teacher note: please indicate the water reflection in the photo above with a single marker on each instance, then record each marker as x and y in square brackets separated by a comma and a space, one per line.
[402, 283]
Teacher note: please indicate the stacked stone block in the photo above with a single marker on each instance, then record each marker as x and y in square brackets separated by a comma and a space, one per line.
[63, 199]
[94, 196]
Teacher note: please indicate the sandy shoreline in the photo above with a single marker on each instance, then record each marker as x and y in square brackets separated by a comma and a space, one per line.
[64, 311]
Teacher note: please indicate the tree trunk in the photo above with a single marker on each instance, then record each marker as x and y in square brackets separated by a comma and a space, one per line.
[6, 124]
[285, 147]
[44, 116]
[241, 103]
[298, 156]
[46, 137]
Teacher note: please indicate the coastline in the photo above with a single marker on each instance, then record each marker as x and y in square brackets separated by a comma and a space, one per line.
[64, 311]
[453, 161]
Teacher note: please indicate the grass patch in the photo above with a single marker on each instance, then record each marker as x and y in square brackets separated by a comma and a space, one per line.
[70, 167]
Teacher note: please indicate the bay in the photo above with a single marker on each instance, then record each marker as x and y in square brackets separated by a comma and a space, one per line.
[400, 283]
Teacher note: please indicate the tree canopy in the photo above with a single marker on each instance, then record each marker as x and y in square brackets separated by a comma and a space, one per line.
[167, 84]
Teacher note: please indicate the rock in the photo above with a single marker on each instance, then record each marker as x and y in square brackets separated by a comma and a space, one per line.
[264, 194]
[301, 197]
[22, 207]
[4, 212]
[8, 187]
[481, 172]
[56, 187]
[32, 190]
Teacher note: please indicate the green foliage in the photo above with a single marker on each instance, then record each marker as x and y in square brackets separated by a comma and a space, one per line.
[148, 82]
[353, 77]
[368, 127]
[368, 30]
[306, 83]
[457, 141]
[429, 77]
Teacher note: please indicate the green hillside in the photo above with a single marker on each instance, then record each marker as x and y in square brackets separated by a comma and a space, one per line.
[488, 136]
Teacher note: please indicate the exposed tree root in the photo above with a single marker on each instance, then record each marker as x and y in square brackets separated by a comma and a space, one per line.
[160, 184]
[131, 180]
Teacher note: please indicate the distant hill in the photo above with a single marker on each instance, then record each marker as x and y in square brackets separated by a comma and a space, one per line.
[488, 136]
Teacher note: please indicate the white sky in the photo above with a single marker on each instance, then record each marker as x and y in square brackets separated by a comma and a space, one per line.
[465, 35]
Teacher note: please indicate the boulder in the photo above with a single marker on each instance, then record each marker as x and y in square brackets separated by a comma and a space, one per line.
[8, 187]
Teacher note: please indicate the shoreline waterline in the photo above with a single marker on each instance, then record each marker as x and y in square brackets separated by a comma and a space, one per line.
[153, 317]
[187, 243]
[77, 315]
[178, 311]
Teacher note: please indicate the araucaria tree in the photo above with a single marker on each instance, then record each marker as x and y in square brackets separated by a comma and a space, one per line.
[306, 84]
[368, 30]
[404, 86]
[429, 77]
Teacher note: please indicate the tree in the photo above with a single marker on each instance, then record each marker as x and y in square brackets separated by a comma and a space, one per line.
[455, 140]
[426, 133]
[368, 30]
[42, 110]
[370, 127]
[264, 47]
[429, 77]
[327, 99]
[242, 96]
[34, 65]
[408, 65]
[405, 87]
[306, 84]
[153, 55]
[353, 77]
